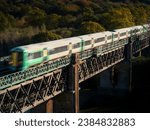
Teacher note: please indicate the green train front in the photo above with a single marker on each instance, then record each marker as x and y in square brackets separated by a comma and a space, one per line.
[20, 59]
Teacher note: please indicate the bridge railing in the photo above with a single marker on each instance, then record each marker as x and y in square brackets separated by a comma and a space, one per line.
[18, 77]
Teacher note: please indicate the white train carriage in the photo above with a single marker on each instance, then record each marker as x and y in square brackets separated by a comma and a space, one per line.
[115, 36]
[101, 38]
[24, 57]
[123, 33]
[136, 30]
[87, 42]
[63, 47]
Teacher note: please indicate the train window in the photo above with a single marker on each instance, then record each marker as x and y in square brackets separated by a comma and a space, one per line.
[87, 42]
[123, 34]
[77, 45]
[30, 56]
[116, 35]
[99, 39]
[61, 49]
[109, 37]
[58, 50]
[52, 51]
[37, 55]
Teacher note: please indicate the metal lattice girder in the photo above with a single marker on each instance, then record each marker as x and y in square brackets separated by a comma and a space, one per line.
[31, 93]
[95, 65]
[140, 43]
[21, 76]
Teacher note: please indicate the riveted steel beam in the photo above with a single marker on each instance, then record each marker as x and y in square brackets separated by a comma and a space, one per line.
[95, 65]
[24, 96]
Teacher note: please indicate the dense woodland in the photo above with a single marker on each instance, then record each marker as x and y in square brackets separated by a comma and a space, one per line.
[32, 21]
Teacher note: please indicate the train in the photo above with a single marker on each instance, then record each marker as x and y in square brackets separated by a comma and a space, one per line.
[24, 57]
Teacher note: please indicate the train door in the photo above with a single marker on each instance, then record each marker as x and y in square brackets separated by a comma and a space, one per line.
[14, 58]
[45, 54]
[82, 45]
[70, 48]
[112, 37]
[17, 59]
[127, 34]
[118, 36]
[105, 39]
[92, 40]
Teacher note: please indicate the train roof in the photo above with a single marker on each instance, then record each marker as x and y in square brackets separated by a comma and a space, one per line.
[85, 37]
[101, 34]
[136, 27]
[123, 29]
[49, 44]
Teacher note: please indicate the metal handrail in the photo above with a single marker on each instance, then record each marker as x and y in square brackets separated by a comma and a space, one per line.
[18, 77]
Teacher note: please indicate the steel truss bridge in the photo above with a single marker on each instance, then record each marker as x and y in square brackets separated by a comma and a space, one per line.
[21, 91]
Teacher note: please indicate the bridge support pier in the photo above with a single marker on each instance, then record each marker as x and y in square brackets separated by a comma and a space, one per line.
[116, 80]
[129, 61]
[49, 106]
[68, 101]
[113, 76]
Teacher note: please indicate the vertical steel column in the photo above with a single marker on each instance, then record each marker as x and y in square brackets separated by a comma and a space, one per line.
[113, 76]
[73, 80]
[76, 82]
[49, 106]
[130, 49]
[68, 101]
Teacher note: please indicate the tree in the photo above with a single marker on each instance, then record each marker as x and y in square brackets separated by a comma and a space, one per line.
[140, 15]
[36, 17]
[45, 36]
[64, 32]
[90, 27]
[88, 14]
[67, 21]
[147, 8]
[4, 22]
[82, 3]
[117, 18]
[52, 21]
[72, 8]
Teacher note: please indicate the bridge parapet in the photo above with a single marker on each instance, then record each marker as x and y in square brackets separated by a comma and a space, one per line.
[94, 65]
[140, 42]
[25, 75]
[29, 94]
